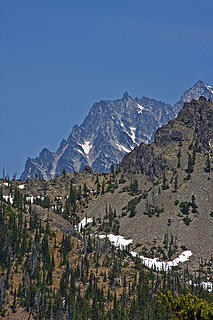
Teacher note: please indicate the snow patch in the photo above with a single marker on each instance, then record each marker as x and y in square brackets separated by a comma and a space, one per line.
[6, 184]
[81, 152]
[83, 223]
[163, 265]
[8, 198]
[132, 134]
[21, 186]
[117, 241]
[122, 148]
[207, 286]
[141, 108]
[86, 146]
[40, 197]
[122, 243]
[209, 88]
[29, 199]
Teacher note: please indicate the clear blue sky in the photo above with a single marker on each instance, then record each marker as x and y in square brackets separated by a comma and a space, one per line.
[58, 57]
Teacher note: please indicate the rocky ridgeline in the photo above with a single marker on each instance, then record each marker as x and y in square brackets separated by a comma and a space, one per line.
[193, 124]
[111, 130]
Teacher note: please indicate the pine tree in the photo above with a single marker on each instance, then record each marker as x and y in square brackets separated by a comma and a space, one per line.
[102, 188]
[14, 302]
[208, 164]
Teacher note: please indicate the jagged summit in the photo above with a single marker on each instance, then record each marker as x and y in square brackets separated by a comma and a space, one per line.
[111, 129]
[199, 89]
[202, 84]
[199, 83]
[126, 95]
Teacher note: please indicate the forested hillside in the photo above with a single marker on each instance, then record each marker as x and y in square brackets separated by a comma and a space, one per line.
[49, 274]
[135, 243]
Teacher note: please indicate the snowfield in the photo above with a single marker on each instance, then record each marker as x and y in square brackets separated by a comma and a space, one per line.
[163, 265]
[117, 241]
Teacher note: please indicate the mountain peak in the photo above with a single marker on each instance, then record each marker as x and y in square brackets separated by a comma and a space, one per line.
[200, 83]
[126, 95]
[109, 131]
[200, 88]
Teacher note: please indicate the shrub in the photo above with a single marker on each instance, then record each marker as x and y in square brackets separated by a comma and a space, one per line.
[187, 221]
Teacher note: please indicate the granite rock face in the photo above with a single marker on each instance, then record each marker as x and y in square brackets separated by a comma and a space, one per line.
[111, 130]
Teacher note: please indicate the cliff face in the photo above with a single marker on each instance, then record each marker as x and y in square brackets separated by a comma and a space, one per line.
[194, 125]
[111, 129]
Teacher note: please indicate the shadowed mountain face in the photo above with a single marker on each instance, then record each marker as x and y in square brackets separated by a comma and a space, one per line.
[111, 130]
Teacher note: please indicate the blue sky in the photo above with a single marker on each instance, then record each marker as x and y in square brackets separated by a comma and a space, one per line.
[58, 57]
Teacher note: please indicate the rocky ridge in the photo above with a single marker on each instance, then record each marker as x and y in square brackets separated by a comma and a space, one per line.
[194, 123]
[110, 130]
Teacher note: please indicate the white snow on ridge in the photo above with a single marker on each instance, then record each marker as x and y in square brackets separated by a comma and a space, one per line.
[117, 241]
[122, 243]
[83, 223]
[81, 152]
[140, 107]
[21, 186]
[132, 135]
[30, 199]
[207, 286]
[86, 146]
[163, 265]
[8, 198]
[210, 89]
[122, 148]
